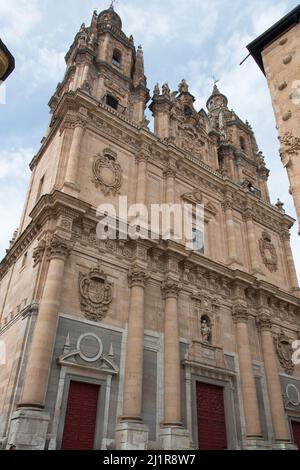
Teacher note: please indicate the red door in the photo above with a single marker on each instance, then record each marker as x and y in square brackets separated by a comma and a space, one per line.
[211, 417]
[80, 422]
[296, 433]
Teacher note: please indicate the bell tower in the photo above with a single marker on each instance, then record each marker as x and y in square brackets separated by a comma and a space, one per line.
[104, 63]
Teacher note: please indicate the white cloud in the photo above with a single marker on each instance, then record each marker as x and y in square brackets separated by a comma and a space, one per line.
[17, 18]
[14, 166]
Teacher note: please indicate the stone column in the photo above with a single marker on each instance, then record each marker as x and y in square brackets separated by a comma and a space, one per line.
[250, 402]
[273, 383]
[35, 386]
[285, 237]
[30, 419]
[141, 190]
[252, 242]
[173, 436]
[170, 175]
[230, 230]
[131, 433]
[71, 178]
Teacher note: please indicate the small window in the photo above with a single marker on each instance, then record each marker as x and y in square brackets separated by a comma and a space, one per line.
[242, 143]
[198, 241]
[116, 58]
[40, 188]
[24, 260]
[112, 102]
[188, 111]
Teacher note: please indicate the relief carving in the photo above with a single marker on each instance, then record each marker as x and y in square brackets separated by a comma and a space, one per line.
[107, 173]
[284, 351]
[95, 293]
[268, 252]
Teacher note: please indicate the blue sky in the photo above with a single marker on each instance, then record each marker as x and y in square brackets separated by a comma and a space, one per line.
[194, 39]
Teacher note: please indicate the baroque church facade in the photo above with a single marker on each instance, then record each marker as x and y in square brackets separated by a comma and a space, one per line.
[143, 344]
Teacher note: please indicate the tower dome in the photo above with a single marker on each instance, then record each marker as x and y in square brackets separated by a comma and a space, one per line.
[110, 17]
[216, 100]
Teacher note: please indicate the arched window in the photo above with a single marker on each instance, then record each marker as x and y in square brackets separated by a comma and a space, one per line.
[112, 102]
[188, 111]
[242, 143]
[116, 58]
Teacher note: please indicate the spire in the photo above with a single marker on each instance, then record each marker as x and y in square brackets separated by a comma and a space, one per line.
[216, 90]
[216, 99]
[139, 72]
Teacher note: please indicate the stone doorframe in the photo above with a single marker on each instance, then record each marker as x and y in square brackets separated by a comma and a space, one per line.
[213, 376]
[67, 375]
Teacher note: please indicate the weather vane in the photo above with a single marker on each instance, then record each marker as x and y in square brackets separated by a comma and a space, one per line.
[113, 3]
[215, 80]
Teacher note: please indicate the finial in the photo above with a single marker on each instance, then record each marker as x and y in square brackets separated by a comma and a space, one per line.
[215, 80]
[112, 4]
[280, 205]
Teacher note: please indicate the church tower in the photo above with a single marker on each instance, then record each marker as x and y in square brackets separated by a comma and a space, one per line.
[124, 342]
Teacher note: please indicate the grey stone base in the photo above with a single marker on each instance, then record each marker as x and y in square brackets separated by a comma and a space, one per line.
[284, 446]
[28, 429]
[257, 444]
[174, 438]
[131, 436]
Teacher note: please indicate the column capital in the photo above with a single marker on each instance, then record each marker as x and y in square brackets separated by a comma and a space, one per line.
[264, 322]
[248, 214]
[170, 289]
[240, 313]
[170, 171]
[59, 248]
[227, 204]
[81, 121]
[285, 235]
[137, 277]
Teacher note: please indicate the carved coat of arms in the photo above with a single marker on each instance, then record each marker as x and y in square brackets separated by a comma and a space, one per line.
[96, 294]
[285, 353]
[108, 173]
[268, 252]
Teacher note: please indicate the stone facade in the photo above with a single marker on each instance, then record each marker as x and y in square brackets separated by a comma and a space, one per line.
[146, 320]
[277, 52]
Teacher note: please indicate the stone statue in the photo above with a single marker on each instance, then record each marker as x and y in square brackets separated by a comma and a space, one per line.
[205, 331]
[156, 90]
[183, 86]
[166, 89]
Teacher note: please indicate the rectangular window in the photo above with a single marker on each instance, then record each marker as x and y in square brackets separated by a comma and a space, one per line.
[40, 188]
[198, 241]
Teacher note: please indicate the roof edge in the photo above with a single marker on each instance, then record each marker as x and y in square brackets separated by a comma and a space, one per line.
[256, 47]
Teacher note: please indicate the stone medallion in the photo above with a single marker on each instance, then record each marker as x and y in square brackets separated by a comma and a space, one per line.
[107, 173]
[95, 294]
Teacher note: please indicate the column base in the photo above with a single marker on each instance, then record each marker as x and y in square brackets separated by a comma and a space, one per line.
[28, 429]
[131, 436]
[284, 445]
[256, 444]
[175, 438]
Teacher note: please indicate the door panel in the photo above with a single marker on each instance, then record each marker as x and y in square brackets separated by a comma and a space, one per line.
[211, 417]
[81, 417]
[296, 433]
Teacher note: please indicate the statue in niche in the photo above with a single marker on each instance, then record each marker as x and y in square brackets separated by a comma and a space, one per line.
[205, 329]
